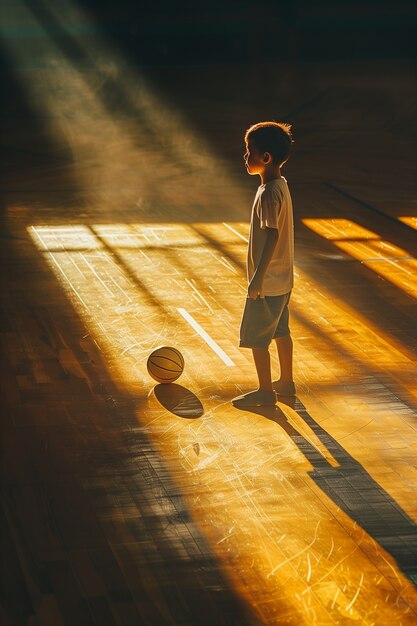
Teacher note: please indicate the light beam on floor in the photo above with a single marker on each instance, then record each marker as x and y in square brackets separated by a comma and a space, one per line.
[381, 256]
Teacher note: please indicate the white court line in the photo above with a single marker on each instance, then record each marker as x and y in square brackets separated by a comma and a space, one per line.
[236, 232]
[213, 345]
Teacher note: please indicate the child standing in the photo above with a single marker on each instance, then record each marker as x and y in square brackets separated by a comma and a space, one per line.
[269, 263]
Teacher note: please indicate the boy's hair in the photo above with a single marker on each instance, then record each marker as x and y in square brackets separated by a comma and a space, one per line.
[272, 137]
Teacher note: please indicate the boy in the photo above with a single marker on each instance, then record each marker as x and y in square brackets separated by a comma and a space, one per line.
[269, 263]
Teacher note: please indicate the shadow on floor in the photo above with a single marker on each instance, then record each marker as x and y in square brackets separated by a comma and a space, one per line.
[352, 489]
[179, 400]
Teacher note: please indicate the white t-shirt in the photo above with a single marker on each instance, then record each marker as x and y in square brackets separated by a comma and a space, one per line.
[272, 208]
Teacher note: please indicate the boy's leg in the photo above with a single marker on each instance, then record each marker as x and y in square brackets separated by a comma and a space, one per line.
[285, 352]
[262, 361]
[257, 328]
[285, 385]
[265, 395]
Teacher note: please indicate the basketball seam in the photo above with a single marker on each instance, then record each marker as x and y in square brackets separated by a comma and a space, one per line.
[164, 369]
[177, 352]
[162, 356]
[157, 356]
[167, 369]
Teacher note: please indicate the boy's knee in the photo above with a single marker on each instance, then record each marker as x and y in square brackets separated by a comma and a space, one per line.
[286, 336]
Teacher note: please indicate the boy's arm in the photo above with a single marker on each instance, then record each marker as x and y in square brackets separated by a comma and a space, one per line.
[255, 285]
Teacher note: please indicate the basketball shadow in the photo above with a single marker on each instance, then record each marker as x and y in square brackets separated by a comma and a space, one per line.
[179, 400]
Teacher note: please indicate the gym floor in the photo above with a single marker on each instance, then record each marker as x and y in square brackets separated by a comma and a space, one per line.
[124, 227]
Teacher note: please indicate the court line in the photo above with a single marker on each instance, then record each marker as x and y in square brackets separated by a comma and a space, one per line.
[204, 335]
[236, 232]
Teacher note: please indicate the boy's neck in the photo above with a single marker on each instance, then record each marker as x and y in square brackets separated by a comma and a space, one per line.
[270, 174]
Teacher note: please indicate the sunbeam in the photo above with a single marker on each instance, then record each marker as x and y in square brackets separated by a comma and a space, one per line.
[381, 256]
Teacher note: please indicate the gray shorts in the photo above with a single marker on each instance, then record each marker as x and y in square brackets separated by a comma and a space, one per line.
[263, 320]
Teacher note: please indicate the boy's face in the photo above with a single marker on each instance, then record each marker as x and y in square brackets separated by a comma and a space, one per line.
[255, 161]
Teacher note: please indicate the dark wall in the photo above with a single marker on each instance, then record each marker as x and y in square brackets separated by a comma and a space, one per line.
[202, 31]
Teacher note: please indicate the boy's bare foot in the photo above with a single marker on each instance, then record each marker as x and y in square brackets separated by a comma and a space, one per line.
[284, 387]
[255, 398]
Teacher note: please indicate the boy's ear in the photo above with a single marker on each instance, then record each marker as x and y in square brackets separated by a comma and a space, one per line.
[267, 158]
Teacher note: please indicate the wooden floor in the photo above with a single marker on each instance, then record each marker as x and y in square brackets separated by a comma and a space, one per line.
[124, 227]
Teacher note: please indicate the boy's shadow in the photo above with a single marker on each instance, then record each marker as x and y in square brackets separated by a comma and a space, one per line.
[179, 400]
[352, 488]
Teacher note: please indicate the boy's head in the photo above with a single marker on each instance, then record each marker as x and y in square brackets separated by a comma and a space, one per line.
[271, 141]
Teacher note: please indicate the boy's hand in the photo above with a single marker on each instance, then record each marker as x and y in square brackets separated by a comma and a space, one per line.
[255, 287]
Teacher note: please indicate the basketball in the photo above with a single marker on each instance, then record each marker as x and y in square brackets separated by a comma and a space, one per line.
[165, 364]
